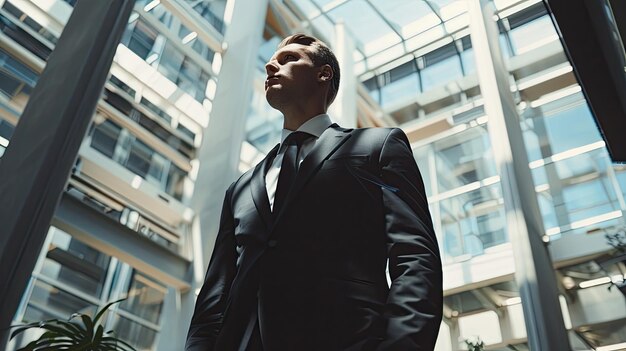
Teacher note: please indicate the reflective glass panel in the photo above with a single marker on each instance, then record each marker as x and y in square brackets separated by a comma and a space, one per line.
[16, 80]
[75, 264]
[532, 35]
[175, 182]
[139, 158]
[557, 127]
[576, 189]
[464, 158]
[142, 39]
[473, 221]
[442, 71]
[369, 28]
[47, 302]
[406, 15]
[104, 138]
[170, 61]
[211, 11]
[144, 298]
[403, 84]
[137, 335]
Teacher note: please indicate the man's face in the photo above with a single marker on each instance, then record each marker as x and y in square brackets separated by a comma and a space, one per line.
[291, 76]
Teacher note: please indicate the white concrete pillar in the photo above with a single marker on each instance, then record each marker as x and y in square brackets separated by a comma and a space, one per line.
[533, 267]
[343, 110]
[219, 152]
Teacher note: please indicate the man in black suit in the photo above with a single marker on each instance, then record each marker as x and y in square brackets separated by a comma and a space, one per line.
[305, 238]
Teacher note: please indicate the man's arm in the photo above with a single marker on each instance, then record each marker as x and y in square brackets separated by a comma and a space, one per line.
[414, 305]
[209, 311]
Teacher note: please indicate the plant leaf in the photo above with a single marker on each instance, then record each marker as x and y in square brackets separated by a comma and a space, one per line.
[104, 309]
[57, 329]
[22, 328]
[116, 340]
[76, 328]
[98, 337]
[89, 325]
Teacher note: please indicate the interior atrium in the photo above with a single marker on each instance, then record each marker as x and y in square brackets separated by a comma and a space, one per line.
[183, 113]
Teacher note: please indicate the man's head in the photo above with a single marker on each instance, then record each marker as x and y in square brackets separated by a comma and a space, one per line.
[301, 67]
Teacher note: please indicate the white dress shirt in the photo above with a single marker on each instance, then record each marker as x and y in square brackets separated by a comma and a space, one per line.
[315, 126]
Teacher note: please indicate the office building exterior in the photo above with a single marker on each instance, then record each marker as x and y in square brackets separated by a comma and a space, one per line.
[183, 113]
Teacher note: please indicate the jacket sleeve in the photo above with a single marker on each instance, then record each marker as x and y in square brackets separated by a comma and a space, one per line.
[211, 303]
[414, 305]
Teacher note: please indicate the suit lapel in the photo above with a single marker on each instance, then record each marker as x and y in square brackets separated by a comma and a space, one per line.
[332, 138]
[259, 190]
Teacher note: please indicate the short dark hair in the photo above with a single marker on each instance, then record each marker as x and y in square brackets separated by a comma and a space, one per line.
[321, 55]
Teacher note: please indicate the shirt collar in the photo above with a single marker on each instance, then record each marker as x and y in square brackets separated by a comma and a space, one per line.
[314, 126]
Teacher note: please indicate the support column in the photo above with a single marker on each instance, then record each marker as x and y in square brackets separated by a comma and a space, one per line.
[43, 149]
[219, 153]
[533, 267]
[343, 110]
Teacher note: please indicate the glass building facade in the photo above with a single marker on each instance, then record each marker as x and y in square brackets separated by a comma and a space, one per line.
[140, 171]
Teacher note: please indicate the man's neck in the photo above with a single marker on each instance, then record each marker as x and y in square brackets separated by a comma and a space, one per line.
[293, 120]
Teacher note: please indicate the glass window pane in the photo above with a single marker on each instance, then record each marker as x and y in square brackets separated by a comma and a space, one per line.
[464, 158]
[368, 27]
[105, 137]
[558, 127]
[142, 40]
[156, 110]
[137, 335]
[175, 182]
[442, 72]
[6, 129]
[139, 158]
[73, 263]
[399, 90]
[473, 221]
[123, 86]
[530, 35]
[47, 302]
[469, 61]
[575, 189]
[587, 192]
[212, 12]
[157, 167]
[16, 80]
[407, 15]
[144, 298]
[170, 61]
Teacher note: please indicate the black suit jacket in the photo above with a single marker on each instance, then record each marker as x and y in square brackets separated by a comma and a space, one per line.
[313, 276]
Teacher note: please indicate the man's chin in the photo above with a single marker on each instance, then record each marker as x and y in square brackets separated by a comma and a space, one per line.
[272, 97]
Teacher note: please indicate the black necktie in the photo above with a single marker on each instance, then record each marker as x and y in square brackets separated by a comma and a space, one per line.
[289, 167]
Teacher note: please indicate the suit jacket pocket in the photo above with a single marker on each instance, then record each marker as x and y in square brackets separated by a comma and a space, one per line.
[346, 161]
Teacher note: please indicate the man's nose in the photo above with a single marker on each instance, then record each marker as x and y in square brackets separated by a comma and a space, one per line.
[270, 67]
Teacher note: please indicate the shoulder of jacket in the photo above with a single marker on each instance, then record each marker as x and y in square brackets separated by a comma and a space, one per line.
[378, 133]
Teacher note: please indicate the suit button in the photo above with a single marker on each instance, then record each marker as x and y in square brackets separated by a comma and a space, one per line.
[272, 243]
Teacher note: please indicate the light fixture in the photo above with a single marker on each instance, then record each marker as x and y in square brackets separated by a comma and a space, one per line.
[594, 282]
[614, 347]
[151, 5]
[189, 37]
[133, 17]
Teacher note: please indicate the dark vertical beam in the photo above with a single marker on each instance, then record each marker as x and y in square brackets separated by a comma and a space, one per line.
[592, 34]
[42, 151]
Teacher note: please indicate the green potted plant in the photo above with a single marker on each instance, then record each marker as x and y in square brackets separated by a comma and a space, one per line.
[79, 333]
[475, 345]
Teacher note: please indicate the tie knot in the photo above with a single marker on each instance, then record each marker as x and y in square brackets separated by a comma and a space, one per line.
[297, 138]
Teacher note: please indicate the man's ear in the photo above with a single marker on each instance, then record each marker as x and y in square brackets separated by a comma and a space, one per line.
[325, 73]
